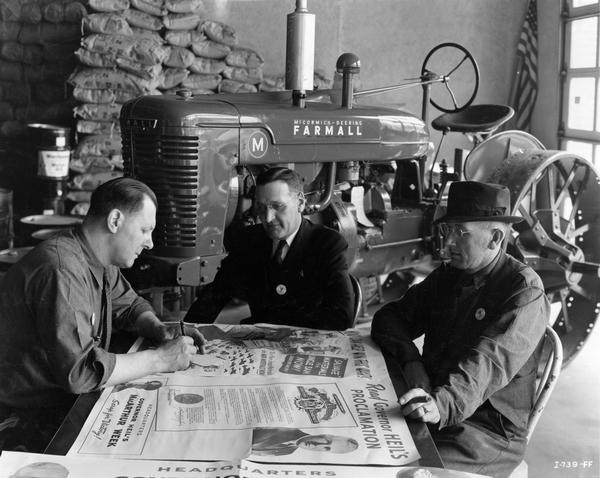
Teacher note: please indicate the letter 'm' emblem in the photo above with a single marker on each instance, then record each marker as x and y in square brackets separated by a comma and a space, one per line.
[258, 143]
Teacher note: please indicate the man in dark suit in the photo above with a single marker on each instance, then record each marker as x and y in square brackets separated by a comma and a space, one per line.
[289, 270]
[284, 441]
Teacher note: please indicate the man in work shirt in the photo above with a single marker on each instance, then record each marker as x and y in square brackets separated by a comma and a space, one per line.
[58, 305]
[483, 314]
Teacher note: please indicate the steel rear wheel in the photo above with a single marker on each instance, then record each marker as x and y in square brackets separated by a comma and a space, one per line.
[558, 196]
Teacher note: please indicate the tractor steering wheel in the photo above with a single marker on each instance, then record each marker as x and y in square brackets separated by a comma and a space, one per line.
[455, 59]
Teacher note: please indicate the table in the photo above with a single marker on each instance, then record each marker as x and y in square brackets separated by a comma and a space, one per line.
[76, 417]
[418, 430]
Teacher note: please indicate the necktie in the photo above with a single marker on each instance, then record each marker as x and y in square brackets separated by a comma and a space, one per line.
[278, 256]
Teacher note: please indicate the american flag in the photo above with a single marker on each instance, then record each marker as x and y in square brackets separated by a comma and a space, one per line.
[526, 75]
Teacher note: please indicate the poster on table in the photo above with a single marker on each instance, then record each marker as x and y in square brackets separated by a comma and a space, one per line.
[267, 350]
[28, 465]
[17, 465]
[186, 417]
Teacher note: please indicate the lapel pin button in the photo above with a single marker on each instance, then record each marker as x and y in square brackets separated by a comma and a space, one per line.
[281, 289]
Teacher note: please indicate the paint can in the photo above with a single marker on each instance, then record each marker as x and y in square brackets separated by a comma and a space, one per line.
[53, 153]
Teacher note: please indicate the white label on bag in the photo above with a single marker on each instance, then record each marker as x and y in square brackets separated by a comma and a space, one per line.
[53, 164]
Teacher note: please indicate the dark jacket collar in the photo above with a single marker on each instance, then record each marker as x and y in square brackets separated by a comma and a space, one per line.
[299, 243]
[480, 277]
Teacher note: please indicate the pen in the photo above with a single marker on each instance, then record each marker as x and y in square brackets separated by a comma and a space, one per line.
[419, 399]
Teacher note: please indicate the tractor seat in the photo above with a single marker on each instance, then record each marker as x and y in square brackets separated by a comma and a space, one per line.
[474, 119]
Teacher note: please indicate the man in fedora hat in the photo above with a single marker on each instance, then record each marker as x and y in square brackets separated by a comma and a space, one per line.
[482, 314]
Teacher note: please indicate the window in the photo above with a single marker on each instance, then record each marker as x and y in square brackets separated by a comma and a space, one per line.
[581, 87]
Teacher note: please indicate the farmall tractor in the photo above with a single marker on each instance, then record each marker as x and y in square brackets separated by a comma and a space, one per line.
[369, 173]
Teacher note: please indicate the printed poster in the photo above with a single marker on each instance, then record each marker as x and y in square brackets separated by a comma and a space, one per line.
[276, 394]
[185, 418]
[268, 350]
[17, 464]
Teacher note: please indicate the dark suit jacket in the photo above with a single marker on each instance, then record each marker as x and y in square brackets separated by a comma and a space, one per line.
[318, 292]
[483, 348]
[275, 441]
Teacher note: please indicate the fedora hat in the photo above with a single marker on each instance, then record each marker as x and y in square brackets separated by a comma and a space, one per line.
[476, 201]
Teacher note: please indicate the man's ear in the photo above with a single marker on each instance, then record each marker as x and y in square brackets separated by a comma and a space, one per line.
[497, 238]
[114, 220]
[301, 202]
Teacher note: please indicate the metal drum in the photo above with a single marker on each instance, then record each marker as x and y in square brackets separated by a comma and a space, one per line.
[558, 195]
[53, 154]
[53, 151]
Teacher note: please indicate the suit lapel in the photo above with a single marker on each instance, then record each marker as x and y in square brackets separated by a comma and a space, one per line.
[265, 244]
[296, 250]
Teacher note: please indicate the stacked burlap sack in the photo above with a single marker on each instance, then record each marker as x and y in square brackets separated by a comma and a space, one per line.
[37, 41]
[120, 60]
[205, 56]
[139, 47]
[121, 56]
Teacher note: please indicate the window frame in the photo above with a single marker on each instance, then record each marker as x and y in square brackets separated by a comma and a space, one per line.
[567, 134]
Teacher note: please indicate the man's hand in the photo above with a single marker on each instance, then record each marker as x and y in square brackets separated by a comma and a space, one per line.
[258, 332]
[197, 337]
[275, 334]
[416, 376]
[175, 354]
[161, 332]
[170, 356]
[418, 404]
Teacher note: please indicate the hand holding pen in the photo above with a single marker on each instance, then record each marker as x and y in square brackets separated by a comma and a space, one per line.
[418, 404]
[193, 332]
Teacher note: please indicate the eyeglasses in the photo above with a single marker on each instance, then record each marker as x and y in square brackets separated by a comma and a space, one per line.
[457, 229]
[262, 208]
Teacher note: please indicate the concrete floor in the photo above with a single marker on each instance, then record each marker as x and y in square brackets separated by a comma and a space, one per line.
[569, 429]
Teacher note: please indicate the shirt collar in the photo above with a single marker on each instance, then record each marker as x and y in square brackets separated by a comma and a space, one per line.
[93, 262]
[480, 277]
[290, 238]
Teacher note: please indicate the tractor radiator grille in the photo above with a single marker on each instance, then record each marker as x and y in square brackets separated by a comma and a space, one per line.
[169, 165]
